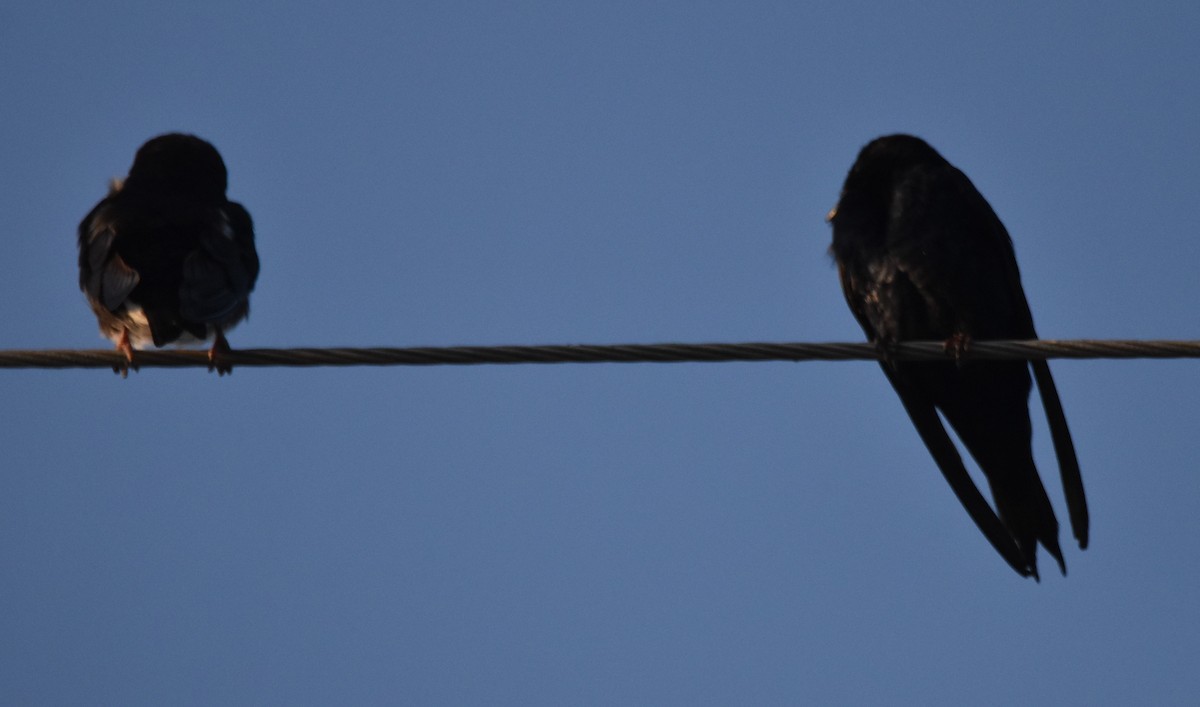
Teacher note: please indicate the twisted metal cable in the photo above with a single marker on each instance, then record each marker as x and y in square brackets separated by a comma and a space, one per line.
[609, 353]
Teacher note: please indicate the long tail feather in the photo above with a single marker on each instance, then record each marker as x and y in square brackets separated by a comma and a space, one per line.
[933, 433]
[1064, 449]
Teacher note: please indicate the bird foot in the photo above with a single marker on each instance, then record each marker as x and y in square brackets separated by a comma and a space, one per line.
[124, 347]
[218, 351]
[957, 345]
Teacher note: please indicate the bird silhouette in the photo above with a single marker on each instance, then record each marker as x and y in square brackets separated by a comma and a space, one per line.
[166, 257]
[922, 256]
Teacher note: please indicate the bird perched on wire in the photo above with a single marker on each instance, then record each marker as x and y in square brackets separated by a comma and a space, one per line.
[166, 257]
[922, 256]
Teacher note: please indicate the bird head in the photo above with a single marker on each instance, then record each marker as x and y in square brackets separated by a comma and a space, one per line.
[178, 164]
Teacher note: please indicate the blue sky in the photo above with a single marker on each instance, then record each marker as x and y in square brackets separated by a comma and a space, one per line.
[522, 173]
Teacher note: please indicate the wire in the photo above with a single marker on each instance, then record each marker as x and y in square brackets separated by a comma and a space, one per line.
[618, 353]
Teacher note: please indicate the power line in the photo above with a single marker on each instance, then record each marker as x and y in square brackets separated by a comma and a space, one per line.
[607, 353]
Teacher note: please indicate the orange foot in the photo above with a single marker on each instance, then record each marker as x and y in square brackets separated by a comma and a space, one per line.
[126, 348]
[219, 348]
[958, 344]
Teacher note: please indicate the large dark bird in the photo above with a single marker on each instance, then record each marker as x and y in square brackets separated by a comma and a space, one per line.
[922, 256]
[165, 257]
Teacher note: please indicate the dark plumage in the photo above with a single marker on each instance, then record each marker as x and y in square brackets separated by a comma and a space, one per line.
[165, 257]
[922, 256]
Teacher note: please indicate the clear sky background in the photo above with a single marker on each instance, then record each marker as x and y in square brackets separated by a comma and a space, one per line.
[443, 173]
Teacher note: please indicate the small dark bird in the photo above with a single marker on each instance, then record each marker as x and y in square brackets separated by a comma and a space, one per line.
[922, 256]
[165, 257]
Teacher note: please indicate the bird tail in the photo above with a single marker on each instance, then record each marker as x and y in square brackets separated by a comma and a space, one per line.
[925, 418]
[990, 413]
[1024, 507]
[1064, 449]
